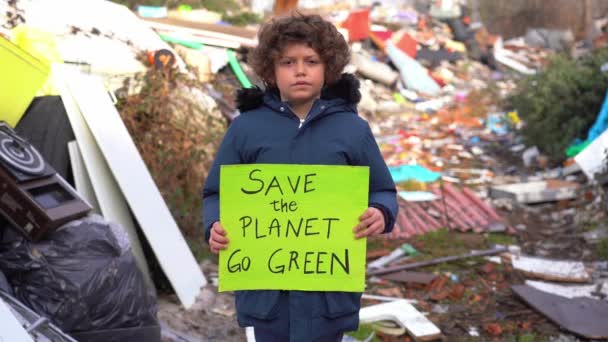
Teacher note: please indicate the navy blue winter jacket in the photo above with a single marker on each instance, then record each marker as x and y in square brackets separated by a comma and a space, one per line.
[268, 132]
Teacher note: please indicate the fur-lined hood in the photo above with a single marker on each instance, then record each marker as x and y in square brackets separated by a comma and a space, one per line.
[345, 90]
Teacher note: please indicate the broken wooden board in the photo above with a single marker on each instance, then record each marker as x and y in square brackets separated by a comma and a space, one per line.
[404, 314]
[536, 192]
[161, 24]
[227, 30]
[554, 270]
[582, 316]
[198, 39]
[410, 277]
[571, 291]
[11, 329]
[111, 201]
[136, 183]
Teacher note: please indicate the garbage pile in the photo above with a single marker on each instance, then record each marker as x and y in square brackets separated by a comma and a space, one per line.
[482, 216]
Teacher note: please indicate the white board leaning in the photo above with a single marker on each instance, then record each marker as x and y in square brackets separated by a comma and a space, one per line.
[136, 183]
[112, 204]
[10, 327]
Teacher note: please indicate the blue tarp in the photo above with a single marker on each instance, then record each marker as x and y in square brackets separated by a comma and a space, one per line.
[599, 126]
[601, 123]
[418, 173]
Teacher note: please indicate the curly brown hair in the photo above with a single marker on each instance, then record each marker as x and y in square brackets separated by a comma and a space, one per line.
[312, 30]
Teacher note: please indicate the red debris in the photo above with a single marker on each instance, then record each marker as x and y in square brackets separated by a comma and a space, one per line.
[458, 209]
[493, 329]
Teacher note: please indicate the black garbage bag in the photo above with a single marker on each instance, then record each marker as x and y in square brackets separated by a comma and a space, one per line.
[82, 277]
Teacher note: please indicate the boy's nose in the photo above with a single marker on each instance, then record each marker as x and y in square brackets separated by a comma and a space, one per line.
[300, 68]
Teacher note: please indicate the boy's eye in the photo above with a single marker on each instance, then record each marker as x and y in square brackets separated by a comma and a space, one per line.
[285, 62]
[313, 61]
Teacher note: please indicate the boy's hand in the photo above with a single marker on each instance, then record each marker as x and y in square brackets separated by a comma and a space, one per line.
[217, 238]
[370, 223]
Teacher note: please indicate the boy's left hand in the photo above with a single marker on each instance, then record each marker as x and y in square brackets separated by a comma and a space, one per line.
[370, 223]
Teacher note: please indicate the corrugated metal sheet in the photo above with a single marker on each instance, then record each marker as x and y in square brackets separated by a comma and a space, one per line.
[459, 209]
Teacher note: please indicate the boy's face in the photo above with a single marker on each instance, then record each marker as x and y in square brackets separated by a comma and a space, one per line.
[299, 74]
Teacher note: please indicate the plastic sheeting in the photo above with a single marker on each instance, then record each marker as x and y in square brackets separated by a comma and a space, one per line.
[599, 126]
[413, 74]
[413, 172]
[83, 277]
[601, 123]
[45, 125]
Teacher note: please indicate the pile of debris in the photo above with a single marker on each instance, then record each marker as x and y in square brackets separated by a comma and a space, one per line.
[432, 85]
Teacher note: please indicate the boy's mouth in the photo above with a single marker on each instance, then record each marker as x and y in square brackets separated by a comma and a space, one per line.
[301, 83]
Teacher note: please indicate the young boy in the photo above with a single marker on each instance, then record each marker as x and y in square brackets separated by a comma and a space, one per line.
[307, 115]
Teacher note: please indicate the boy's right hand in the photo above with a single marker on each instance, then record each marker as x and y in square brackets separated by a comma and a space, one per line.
[217, 239]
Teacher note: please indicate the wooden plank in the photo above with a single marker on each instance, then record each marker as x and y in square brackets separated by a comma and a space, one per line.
[137, 185]
[410, 277]
[203, 33]
[556, 270]
[203, 40]
[11, 329]
[228, 30]
[404, 314]
[111, 201]
[83, 184]
[392, 269]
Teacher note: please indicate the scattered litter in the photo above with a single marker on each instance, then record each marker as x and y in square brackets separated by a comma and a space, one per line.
[494, 259]
[496, 250]
[410, 277]
[386, 299]
[405, 250]
[596, 235]
[405, 315]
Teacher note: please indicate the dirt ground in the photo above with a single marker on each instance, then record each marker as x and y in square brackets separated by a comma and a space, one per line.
[211, 318]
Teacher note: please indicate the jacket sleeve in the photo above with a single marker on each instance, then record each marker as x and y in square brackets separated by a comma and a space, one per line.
[227, 154]
[382, 192]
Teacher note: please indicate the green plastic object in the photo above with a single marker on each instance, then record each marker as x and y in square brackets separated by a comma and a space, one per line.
[409, 249]
[184, 8]
[238, 71]
[186, 43]
[576, 149]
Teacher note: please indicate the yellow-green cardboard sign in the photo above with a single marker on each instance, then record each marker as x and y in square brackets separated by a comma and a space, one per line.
[291, 227]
